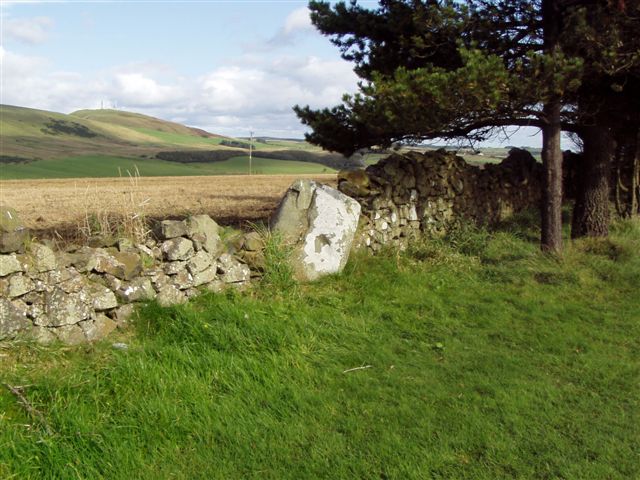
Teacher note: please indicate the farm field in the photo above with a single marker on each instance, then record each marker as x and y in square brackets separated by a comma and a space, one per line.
[98, 166]
[62, 203]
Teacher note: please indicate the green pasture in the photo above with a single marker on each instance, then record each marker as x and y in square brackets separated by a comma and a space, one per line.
[470, 357]
[96, 166]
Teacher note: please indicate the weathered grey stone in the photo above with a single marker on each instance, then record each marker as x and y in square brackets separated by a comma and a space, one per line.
[125, 245]
[290, 218]
[102, 241]
[70, 281]
[102, 298]
[144, 250]
[172, 228]
[42, 258]
[231, 270]
[99, 328]
[123, 314]
[207, 231]
[177, 249]
[83, 259]
[9, 264]
[62, 308]
[199, 262]
[170, 295]
[322, 231]
[12, 320]
[253, 242]
[205, 276]
[42, 335]
[216, 286]
[70, 334]
[111, 282]
[138, 289]
[13, 234]
[173, 268]
[123, 265]
[19, 285]
[183, 280]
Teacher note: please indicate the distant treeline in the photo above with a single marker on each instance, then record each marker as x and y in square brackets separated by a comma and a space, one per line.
[332, 160]
[14, 159]
[57, 127]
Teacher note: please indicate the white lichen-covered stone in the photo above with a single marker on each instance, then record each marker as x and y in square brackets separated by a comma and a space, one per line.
[231, 270]
[170, 295]
[199, 262]
[205, 233]
[12, 319]
[65, 308]
[177, 249]
[321, 223]
[9, 264]
[205, 276]
[137, 290]
[43, 258]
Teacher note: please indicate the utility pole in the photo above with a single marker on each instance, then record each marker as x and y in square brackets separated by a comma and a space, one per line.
[250, 150]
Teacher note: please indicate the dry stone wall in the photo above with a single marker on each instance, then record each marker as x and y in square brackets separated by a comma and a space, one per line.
[409, 195]
[83, 293]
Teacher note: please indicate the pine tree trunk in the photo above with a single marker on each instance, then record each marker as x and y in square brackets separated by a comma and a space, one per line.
[551, 210]
[591, 214]
[552, 183]
[635, 180]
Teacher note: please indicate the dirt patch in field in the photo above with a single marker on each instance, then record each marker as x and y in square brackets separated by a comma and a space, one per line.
[62, 205]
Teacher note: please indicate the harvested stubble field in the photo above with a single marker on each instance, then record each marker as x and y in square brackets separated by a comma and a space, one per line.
[61, 205]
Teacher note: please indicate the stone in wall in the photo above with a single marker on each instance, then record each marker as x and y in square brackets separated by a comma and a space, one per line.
[84, 293]
[409, 195]
[13, 234]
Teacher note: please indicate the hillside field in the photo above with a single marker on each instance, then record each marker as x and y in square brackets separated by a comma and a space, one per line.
[105, 143]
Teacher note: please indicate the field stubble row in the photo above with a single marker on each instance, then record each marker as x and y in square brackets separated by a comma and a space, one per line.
[62, 204]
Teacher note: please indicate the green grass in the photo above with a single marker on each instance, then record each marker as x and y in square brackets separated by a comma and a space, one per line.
[96, 166]
[180, 139]
[487, 360]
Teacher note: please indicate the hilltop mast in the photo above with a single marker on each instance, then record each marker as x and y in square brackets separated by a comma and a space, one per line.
[250, 150]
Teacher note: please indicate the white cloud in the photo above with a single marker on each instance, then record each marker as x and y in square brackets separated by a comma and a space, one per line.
[252, 91]
[27, 30]
[138, 90]
[298, 22]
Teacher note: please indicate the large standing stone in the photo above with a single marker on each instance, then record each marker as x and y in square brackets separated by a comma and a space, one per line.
[320, 222]
[13, 235]
[12, 320]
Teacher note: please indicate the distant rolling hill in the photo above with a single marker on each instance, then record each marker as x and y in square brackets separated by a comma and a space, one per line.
[98, 143]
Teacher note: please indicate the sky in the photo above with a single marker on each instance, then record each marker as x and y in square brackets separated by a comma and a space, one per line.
[229, 67]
